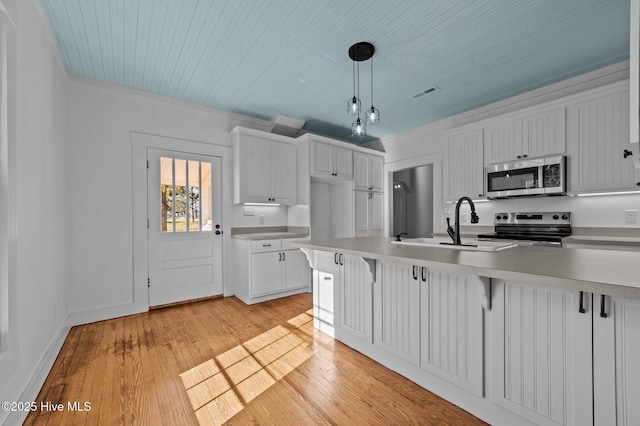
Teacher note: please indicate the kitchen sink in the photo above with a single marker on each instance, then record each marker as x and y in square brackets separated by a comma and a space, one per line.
[467, 244]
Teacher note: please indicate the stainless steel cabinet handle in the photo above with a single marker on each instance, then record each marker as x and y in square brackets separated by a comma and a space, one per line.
[415, 272]
[279, 257]
[335, 258]
[284, 256]
[581, 303]
[424, 274]
[341, 259]
[266, 245]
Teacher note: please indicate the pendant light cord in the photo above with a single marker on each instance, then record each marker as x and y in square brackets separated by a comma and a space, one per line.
[371, 81]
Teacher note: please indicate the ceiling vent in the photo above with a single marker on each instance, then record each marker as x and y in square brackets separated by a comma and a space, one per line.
[425, 92]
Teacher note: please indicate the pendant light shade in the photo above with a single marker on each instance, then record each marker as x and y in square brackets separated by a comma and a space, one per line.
[372, 116]
[362, 51]
[357, 128]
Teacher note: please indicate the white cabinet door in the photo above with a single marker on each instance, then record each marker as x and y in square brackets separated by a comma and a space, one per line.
[343, 163]
[296, 272]
[368, 172]
[283, 173]
[526, 136]
[331, 161]
[464, 163]
[542, 367]
[397, 309]
[264, 167]
[598, 133]
[368, 214]
[616, 366]
[503, 141]
[376, 214]
[361, 213]
[452, 329]
[361, 173]
[266, 274]
[355, 300]
[322, 158]
[544, 133]
[256, 169]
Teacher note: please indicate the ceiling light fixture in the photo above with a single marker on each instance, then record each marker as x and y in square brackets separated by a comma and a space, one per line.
[359, 52]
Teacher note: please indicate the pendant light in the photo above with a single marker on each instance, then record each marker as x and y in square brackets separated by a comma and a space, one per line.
[353, 104]
[372, 116]
[359, 52]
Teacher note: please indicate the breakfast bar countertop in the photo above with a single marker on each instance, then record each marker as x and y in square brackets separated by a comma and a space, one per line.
[613, 273]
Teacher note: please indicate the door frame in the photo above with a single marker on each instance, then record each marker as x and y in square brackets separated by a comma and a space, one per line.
[434, 159]
[140, 142]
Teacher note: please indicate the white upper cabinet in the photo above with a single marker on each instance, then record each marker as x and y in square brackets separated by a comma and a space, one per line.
[368, 172]
[598, 134]
[464, 164]
[526, 135]
[331, 161]
[264, 167]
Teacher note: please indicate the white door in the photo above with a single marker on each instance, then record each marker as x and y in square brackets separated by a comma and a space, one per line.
[184, 235]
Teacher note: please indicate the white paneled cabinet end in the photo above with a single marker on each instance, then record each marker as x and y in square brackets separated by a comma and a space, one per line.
[264, 167]
[598, 135]
[275, 269]
[464, 164]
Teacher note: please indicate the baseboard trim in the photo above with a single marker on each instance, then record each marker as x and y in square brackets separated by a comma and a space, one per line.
[102, 314]
[40, 373]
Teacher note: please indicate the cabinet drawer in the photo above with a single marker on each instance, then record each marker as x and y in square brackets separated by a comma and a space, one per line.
[260, 246]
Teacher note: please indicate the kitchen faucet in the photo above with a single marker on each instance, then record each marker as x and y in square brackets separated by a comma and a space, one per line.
[455, 235]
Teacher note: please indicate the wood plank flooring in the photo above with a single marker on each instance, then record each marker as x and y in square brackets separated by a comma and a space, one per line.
[219, 360]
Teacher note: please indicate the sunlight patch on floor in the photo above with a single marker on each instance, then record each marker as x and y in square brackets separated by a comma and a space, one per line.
[219, 388]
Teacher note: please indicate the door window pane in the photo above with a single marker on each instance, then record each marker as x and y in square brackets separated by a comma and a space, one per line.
[185, 195]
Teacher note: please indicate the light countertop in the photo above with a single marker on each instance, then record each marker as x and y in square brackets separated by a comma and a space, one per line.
[613, 273]
[269, 232]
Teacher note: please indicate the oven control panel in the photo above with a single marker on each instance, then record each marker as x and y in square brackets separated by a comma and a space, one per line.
[533, 218]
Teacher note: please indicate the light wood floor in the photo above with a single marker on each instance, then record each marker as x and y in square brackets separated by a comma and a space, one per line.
[219, 360]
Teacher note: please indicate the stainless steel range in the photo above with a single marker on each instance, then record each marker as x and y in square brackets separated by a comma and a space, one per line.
[531, 228]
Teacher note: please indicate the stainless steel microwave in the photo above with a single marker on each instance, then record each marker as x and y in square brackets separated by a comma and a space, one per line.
[526, 178]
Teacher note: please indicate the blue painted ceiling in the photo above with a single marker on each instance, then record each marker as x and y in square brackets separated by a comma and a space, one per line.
[263, 58]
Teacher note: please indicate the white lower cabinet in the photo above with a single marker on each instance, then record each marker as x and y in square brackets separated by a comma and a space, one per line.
[616, 361]
[268, 269]
[354, 298]
[542, 353]
[397, 309]
[566, 357]
[452, 332]
[433, 319]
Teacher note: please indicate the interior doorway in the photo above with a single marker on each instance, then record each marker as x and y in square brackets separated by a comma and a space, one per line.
[413, 201]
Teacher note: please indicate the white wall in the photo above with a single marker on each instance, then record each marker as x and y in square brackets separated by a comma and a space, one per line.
[101, 117]
[603, 211]
[39, 285]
